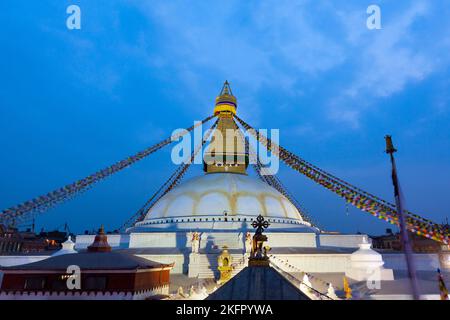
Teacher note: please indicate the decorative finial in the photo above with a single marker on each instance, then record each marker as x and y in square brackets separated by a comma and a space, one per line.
[260, 224]
[226, 89]
[225, 102]
[258, 256]
[100, 243]
[389, 145]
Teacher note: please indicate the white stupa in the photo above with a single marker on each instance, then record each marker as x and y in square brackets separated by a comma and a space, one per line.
[191, 224]
[68, 247]
[222, 201]
[367, 264]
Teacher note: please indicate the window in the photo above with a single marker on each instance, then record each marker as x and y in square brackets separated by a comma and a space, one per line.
[35, 283]
[95, 283]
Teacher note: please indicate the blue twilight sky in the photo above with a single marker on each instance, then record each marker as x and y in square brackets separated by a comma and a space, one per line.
[75, 101]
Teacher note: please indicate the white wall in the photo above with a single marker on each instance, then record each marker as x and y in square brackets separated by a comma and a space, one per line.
[116, 241]
[423, 261]
[341, 240]
[159, 240]
[289, 240]
[233, 240]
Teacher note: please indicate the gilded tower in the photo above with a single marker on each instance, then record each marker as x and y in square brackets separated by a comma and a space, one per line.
[226, 152]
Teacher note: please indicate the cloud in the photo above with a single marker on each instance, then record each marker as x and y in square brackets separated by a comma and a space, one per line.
[272, 46]
[292, 47]
[392, 59]
[387, 60]
[87, 64]
[349, 116]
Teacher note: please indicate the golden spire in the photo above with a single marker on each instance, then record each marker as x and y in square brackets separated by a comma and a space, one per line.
[225, 101]
[226, 152]
[226, 90]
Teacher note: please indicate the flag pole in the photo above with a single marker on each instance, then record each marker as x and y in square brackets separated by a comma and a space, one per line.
[442, 288]
[404, 237]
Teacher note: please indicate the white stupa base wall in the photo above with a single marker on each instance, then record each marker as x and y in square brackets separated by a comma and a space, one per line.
[422, 261]
[116, 241]
[379, 274]
[194, 265]
[233, 240]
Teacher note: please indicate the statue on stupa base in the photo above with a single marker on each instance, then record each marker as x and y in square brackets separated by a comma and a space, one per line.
[248, 243]
[195, 242]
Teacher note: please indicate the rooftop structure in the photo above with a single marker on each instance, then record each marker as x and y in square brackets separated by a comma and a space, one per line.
[102, 274]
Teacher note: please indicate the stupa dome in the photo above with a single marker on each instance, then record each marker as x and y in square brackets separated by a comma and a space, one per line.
[223, 194]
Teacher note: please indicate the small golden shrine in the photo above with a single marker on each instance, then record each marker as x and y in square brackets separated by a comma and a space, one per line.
[225, 268]
[258, 256]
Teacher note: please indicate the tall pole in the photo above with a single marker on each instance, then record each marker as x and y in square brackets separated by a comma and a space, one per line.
[406, 243]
